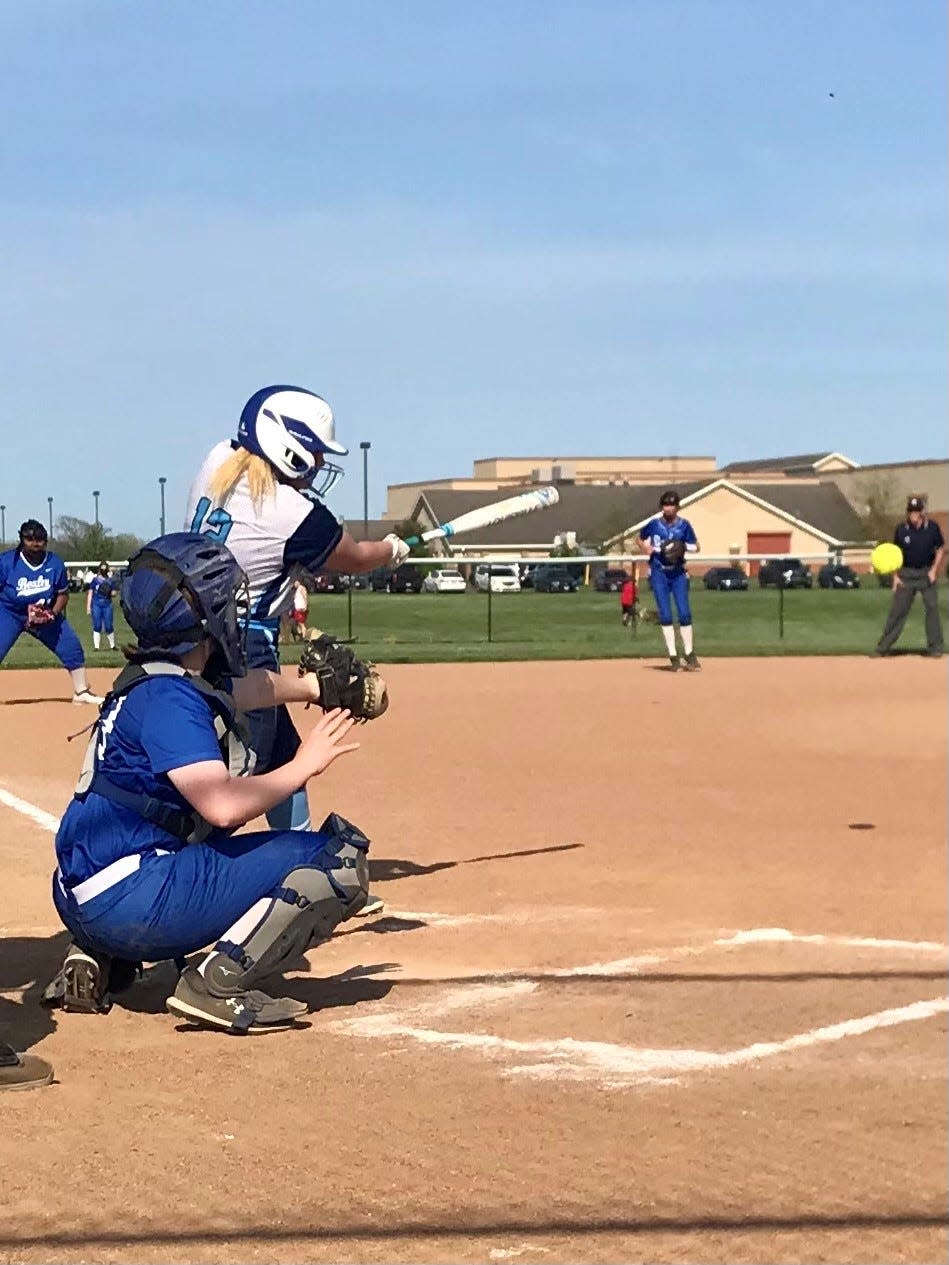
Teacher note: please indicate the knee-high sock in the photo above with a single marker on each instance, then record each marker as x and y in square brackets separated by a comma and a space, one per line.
[669, 634]
[685, 632]
[79, 682]
[95, 640]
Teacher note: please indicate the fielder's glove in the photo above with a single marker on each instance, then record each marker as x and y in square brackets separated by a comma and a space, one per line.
[672, 553]
[344, 680]
[37, 615]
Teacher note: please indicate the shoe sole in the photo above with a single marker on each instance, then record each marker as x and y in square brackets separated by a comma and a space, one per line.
[371, 908]
[81, 977]
[37, 1083]
[185, 1011]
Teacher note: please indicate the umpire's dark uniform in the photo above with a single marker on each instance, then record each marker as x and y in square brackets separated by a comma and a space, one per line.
[920, 542]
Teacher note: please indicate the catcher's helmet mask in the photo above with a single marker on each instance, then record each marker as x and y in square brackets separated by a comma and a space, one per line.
[183, 588]
[293, 430]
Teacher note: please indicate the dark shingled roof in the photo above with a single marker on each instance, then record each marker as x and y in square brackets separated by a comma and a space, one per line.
[598, 513]
[378, 527]
[822, 505]
[594, 511]
[803, 462]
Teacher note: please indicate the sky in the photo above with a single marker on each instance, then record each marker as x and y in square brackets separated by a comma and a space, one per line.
[477, 227]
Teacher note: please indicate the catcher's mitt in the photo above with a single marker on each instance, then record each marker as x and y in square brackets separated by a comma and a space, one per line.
[345, 681]
[37, 615]
[672, 553]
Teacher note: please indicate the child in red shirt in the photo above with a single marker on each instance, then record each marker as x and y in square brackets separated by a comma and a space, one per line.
[627, 599]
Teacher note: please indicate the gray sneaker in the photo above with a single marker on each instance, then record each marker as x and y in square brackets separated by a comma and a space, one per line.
[692, 662]
[22, 1071]
[250, 1012]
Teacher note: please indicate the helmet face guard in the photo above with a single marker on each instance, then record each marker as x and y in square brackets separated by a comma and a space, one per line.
[293, 430]
[183, 588]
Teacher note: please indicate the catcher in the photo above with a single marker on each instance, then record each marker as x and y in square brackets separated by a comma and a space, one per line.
[148, 866]
[665, 540]
[262, 494]
[34, 590]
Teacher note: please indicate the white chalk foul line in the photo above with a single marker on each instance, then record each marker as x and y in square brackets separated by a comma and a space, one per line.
[779, 935]
[608, 1064]
[37, 815]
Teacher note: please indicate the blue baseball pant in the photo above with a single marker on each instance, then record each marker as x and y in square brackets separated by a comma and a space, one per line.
[669, 588]
[103, 617]
[57, 636]
[179, 902]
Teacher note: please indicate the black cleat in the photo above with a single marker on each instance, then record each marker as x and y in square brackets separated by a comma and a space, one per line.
[673, 663]
[692, 663]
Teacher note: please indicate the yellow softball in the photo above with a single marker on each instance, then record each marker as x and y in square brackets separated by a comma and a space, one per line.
[886, 558]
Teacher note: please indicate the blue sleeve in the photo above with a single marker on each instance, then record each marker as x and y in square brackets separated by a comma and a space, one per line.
[647, 531]
[60, 578]
[178, 728]
[314, 540]
[690, 536]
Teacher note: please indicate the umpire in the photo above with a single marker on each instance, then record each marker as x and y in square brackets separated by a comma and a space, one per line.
[923, 548]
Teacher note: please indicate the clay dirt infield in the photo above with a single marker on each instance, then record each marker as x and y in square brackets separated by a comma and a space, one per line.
[642, 990]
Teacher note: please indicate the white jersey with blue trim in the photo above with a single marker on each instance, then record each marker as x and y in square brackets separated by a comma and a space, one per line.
[289, 535]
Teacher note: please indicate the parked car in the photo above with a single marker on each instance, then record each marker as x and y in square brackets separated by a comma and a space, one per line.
[379, 579]
[357, 582]
[447, 580]
[725, 578]
[838, 576]
[554, 578]
[503, 578]
[329, 582]
[526, 574]
[611, 580]
[788, 573]
[405, 579]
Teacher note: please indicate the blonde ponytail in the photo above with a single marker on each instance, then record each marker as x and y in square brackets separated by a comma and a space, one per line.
[261, 482]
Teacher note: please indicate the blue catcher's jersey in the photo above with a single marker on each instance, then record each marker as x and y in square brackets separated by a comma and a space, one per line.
[274, 543]
[657, 530]
[22, 584]
[161, 725]
[102, 588]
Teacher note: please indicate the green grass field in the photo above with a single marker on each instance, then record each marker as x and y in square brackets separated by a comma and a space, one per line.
[427, 628]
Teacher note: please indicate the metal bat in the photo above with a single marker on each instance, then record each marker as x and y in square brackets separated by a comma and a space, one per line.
[499, 512]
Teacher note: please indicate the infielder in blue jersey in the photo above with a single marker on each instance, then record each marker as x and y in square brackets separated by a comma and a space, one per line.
[665, 539]
[34, 590]
[99, 605]
[149, 867]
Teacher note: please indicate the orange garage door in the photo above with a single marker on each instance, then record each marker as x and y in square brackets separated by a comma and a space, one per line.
[768, 542]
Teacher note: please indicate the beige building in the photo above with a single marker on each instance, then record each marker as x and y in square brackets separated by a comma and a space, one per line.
[493, 474]
[797, 517]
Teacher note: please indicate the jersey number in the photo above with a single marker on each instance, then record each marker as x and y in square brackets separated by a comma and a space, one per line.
[217, 524]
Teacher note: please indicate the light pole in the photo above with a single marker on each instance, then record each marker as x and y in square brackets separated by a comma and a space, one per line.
[3, 524]
[49, 502]
[365, 445]
[161, 492]
[96, 495]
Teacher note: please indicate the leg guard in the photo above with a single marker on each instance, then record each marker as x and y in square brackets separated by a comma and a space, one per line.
[307, 907]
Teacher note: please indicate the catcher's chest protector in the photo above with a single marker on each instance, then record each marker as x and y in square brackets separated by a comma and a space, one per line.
[233, 739]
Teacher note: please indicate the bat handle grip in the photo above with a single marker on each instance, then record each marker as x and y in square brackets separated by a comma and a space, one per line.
[412, 540]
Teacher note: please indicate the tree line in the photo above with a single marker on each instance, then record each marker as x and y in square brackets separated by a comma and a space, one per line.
[75, 540]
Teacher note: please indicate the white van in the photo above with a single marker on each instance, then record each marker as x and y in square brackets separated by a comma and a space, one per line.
[504, 578]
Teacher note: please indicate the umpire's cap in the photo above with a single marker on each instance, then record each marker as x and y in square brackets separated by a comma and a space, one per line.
[916, 504]
[669, 497]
